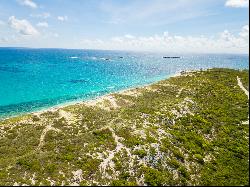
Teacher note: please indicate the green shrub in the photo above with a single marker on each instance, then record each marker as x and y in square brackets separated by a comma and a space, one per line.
[140, 153]
[50, 168]
[199, 158]
[30, 164]
[184, 172]
[103, 134]
[153, 177]
[174, 163]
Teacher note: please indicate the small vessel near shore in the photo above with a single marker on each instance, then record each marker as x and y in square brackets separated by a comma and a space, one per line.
[171, 57]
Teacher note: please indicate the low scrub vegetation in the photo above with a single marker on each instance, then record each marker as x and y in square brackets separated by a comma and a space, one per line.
[187, 130]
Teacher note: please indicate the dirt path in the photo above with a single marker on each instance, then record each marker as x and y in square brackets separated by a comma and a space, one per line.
[108, 162]
[47, 128]
[242, 87]
[247, 94]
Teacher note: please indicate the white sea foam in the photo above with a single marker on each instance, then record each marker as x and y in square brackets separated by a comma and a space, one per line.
[73, 57]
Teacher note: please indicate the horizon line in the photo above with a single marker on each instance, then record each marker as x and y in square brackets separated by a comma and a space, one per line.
[117, 50]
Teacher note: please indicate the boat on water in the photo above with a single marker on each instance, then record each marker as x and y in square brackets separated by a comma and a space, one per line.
[171, 57]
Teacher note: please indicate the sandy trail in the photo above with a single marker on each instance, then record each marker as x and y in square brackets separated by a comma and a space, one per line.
[47, 128]
[242, 87]
[247, 94]
[108, 162]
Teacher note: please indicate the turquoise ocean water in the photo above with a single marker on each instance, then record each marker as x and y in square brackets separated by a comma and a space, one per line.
[33, 79]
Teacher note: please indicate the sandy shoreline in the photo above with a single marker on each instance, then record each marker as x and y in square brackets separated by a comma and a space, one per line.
[93, 101]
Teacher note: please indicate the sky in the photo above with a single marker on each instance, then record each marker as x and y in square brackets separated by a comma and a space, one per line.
[195, 26]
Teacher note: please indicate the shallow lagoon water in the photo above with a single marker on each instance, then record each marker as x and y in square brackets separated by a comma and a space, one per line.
[33, 79]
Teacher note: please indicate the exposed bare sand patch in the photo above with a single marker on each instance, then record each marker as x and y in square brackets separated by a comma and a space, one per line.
[183, 108]
[185, 73]
[52, 182]
[179, 92]
[245, 122]
[132, 92]
[105, 102]
[67, 116]
[77, 178]
[140, 133]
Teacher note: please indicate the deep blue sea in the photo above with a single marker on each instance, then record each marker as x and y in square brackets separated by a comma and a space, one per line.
[34, 79]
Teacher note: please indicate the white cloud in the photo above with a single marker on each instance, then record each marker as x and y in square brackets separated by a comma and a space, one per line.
[56, 35]
[42, 24]
[43, 15]
[22, 26]
[28, 3]
[62, 18]
[237, 3]
[223, 43]
[156, 12]
[1, 23]
[4, 40]
[114, 21]
[245, 32]
[128, 36]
